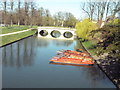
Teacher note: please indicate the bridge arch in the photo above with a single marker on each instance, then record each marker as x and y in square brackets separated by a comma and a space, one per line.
[68, 34]
[43, 33]
[55, 34]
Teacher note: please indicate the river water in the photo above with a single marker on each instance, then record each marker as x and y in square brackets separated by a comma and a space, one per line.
[25, 64]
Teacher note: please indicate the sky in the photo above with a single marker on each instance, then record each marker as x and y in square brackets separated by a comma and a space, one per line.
[72, 6]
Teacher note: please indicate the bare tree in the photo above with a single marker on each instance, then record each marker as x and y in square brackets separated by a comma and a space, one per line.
[19, 7]
[116, 8]
[85, 9]
[5, 11]
[32, 12]
[47, 17]
[103, 6]
[11, 17]
[89, 8]
[26, 3]
[101, 9]
[59, 18]
[42, 14]
[1, 13]
[107, 9]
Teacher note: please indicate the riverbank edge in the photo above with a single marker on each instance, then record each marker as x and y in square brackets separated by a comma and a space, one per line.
[17, 40]
[97, 63]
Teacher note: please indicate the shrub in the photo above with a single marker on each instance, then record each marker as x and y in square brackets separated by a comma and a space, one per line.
[114, 22]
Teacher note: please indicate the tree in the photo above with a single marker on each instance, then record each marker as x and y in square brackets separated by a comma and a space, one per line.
[11, 4]
[89, 8]
[116, 8]
[84, 28]
[110, 39]
[42, 14]
[25, 12]
[70, 20]
[5, 11]
[100, 10]
[59, 18]
[26, 6]
[65, 19]
[19, 7]
[32, 5]
[47, 17]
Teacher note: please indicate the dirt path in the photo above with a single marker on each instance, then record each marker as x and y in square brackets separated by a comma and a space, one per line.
[15, 32]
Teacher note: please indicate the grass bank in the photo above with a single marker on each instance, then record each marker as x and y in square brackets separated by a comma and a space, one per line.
[14, 28]
[90, 46]
[11, 38]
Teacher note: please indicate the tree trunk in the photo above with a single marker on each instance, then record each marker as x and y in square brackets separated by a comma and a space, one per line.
[12, 12]
[5, 15]
[19, 4]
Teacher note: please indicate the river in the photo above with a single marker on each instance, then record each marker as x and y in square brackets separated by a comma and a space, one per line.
[25, 64]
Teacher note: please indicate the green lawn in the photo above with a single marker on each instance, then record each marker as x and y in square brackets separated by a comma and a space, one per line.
[11, 38]
[89, 45]
[14, 28]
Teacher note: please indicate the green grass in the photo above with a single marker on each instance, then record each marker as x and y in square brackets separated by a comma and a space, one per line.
[35, 27]
[14, 37]
[89, 45]
[14, 28]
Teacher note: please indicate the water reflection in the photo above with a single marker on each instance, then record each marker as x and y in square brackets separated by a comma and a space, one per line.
[19, 54]
[94, 75]
[22, 52]
[78, 45]
[42, 42]
[63, 42]
[87, 66]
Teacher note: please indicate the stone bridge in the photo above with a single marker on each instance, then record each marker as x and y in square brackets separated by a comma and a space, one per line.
[56, 33]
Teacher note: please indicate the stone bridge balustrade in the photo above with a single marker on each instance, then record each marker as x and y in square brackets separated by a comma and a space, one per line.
[48, 31]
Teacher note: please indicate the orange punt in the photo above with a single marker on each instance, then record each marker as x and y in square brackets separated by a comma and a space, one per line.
[80, 54]
[70, 52]
[71, 60]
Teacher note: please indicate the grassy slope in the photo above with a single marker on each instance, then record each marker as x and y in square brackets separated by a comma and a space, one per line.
[12, 38]
[89, 46]
[15, 28]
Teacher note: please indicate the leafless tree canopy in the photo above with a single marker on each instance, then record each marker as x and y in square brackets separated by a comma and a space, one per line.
[100, 10]
[26, 12]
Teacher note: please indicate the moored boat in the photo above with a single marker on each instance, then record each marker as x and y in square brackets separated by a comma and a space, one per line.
[71, 60]
[73, 57]
[70, 52]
